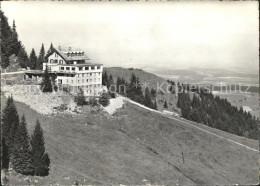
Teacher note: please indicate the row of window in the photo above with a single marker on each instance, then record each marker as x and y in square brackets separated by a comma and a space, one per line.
[84, 75]
[56, 61]
[89, 74]
[75, 54]
[85, 81]
[80, 68]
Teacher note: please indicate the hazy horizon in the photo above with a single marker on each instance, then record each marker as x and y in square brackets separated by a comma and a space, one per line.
[168, 35]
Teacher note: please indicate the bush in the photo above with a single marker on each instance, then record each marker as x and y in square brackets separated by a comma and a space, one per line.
[92, 102]
[104, 99]
[80, 98]
[112, 94]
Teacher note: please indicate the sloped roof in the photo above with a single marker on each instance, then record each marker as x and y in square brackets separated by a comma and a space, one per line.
[63, 52]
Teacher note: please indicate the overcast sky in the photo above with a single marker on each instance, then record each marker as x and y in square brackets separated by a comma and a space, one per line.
[132, 34]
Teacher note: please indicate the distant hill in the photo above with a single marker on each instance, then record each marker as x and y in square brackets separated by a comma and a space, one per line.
[143, 76]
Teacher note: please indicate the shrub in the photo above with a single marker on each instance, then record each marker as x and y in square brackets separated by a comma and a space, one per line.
[104, 99]
[92, 102]
[80, 98]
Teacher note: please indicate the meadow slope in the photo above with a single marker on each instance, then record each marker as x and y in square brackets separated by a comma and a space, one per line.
[136, 146]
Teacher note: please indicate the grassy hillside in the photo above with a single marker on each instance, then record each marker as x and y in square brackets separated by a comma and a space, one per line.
[136, 146]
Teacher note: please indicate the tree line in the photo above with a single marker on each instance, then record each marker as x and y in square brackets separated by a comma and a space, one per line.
[10, 44]
[131, 89]
[217, 112]
[25, 153]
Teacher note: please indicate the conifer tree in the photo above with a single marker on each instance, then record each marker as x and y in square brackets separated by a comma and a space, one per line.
[40, 158]
[41, 57]
[23, 57]
[110, 81]
[10, 121]
[147, 98]
[15, 44]
[118, 83]
[165, 104]
[5, 37]
[153, 93]
[46, 85]
[155, 105]
[32, 60]
[21, 151]
[50, 49]
[134, 90]
[104, 78]
[4, 154]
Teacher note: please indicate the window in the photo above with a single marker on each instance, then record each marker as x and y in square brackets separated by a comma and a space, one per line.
[80, 68]
[82, 80]
[73, 68]
[56, 61]
[78, 82]
[92, 68]
[78, 75]
[98, 67]
[67, 68]
[82, 75]
[61, 62]
[90, 74]
[51, 61]
[87, 80]
[61, 68]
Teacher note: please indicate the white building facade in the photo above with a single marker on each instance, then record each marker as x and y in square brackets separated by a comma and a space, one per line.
[73, 70]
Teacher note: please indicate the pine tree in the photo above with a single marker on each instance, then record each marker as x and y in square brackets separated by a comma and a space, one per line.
[110, 81]
[40, 158]
[165, 104]
[147, 98]
[50, 49]
[46, 85]
[104, 78]
[10, 121]
[41, 57]
[155, 105]
[5, 37]
[134, 91]
[21, 151]
[153, 93]
[15, 44]
[32, 60]
[23, 57]
[118, 83]
[4, 154]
